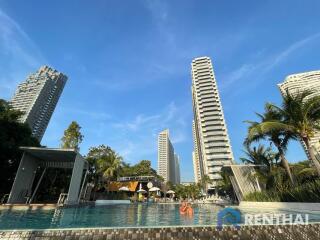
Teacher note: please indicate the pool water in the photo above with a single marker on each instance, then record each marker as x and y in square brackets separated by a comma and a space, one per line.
[125, 215]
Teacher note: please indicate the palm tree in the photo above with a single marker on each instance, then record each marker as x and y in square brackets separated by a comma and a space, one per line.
[205, 180]
[301, 117]
[194, 190]
[110, 166]
[259, 156]
[104, 163]
[278, 136]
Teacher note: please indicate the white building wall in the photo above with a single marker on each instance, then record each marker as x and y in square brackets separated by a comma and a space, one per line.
[37, 98]
[195, 157]
[166, 158]
[300, 82]
[212, 147]
[177, 169]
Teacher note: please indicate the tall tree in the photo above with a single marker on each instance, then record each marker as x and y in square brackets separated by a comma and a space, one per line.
[300, 116]
[13, 134]
[279, 137]
[142, 168]
[205, 180]
[259, 156]
[104, 162]
[72, 137]
[265, 159]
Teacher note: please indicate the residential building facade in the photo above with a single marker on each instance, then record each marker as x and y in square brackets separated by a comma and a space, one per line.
[300, 82]
[177, 168]
[197, 165]
[37, 98]
[166, 158]
[212, 148]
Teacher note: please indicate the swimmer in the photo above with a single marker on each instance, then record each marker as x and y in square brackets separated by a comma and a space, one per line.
[183, 208]
[189, 210]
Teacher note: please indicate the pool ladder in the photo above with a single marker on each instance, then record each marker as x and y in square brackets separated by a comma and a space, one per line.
[62, 199]
[5, 198]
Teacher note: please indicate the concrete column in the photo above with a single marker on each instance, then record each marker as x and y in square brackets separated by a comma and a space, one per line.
[38, 184]
[23, 181]
[75, 182]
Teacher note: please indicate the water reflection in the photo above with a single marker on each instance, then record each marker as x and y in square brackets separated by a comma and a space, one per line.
[113, 216]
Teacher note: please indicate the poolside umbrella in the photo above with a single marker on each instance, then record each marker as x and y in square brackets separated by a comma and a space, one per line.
[124, 189]
[141, 191]
[171, 192]
[154, 189]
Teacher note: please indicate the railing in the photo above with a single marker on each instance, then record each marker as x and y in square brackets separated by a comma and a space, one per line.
[62, 199]
[245, 179]
[136, 178]
[4, 199]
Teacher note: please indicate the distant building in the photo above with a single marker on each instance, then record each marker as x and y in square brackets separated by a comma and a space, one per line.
[300, 82]
[166, 158]
[177, 168]
[195, 157]
[212, 148]
[187, 183]
[37, 98]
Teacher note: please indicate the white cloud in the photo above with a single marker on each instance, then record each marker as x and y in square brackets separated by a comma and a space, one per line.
[138, 137]
[282, 56]
[158, 9]
[138, 122]
[256, 70]
[99, 115]
[18, 55]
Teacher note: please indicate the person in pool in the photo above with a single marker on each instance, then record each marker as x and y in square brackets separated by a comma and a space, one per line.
[186, 208]
[183, 207]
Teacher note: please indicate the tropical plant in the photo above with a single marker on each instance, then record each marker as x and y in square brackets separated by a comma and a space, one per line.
[194, 191]
[263, 157]
[224, 185]
[143, 168]
[304, 172]
[104, 163]
[205, 181]
[187, 191]
[110, 165]
[13, 134]
[308, 192]
[72, 137]
[280, 137]
[300, 117]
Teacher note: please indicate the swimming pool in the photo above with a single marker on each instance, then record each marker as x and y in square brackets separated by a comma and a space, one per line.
[125, 215]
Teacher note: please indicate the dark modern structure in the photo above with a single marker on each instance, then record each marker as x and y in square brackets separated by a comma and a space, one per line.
[38, 160]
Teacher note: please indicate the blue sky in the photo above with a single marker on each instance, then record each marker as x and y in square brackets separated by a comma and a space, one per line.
[128, 64]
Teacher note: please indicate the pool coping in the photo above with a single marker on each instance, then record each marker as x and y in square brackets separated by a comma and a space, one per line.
[148, 227]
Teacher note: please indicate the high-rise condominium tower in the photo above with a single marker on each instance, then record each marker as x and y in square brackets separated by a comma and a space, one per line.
[37, 98]
[212, 147]
[303, 81]
[177, 168]
[195, 156]
[166, 158]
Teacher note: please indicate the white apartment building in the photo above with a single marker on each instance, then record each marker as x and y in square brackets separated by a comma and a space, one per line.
[37, 98]
[212, 147]
[167, 167]
[299, 82]
[177, 168]
[195, 157]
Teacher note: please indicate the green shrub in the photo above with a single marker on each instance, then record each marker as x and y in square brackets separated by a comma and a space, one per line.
[308, 192]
